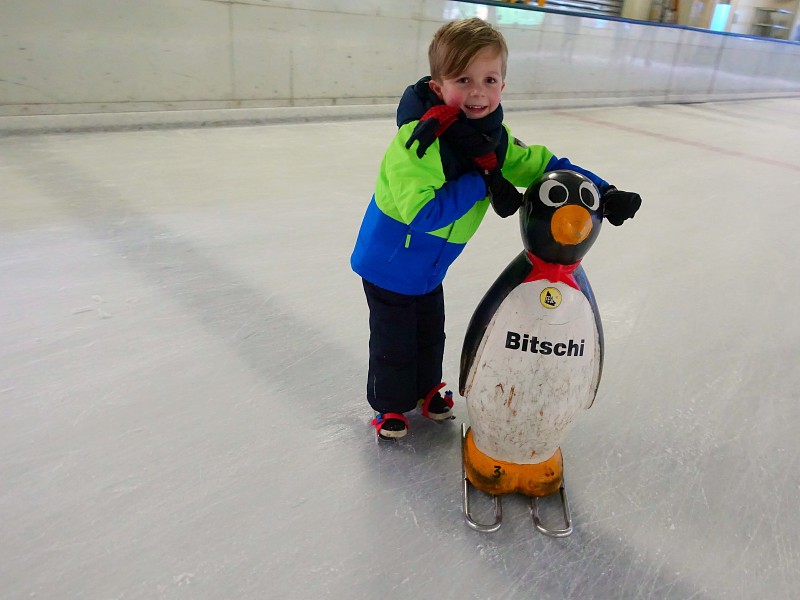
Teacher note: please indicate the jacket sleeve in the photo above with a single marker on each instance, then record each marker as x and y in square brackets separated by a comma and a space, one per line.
[556, 164]
[525, 164]
[414, 191]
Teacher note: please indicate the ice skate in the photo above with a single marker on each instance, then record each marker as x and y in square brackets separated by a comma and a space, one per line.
[390, 426]
[436, 407]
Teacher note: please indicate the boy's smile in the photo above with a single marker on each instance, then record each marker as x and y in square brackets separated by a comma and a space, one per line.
[477, 90]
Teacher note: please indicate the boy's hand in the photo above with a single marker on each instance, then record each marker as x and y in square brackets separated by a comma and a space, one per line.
[433, 124]
[505, 198]
[620, 205]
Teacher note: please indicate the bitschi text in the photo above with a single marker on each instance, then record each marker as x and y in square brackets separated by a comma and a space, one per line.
[526, 343]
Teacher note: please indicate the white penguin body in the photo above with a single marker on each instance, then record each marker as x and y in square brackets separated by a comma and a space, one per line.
[537, 365]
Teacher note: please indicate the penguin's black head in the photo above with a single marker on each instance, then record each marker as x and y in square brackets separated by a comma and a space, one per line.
[561, 217]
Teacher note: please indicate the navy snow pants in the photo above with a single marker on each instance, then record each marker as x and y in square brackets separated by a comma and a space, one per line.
[406, 347]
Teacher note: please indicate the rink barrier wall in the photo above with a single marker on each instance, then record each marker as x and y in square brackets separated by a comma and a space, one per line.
[105, 64]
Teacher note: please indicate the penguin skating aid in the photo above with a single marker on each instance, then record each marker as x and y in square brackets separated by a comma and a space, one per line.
[533, 353]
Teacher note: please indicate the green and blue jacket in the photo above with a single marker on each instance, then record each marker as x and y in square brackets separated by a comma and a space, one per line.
[425, 210]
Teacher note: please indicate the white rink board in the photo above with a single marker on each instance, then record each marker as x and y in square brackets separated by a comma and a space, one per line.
[245, 60]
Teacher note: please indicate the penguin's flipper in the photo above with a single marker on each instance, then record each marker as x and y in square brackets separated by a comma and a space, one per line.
[586, 288]
[514, 274]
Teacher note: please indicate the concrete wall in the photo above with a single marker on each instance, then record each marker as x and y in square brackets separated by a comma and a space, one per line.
[149, 56]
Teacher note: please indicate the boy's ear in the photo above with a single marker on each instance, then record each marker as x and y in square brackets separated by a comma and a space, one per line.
[437, 89]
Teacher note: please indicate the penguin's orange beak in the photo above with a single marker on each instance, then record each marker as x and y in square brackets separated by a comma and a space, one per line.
[571, 225]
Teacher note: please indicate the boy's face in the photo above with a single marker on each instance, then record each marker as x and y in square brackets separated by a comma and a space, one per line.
[477, 90]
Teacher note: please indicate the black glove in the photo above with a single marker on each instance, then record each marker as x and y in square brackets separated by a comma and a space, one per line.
[505, 198]
[433, 124]
[619, 205]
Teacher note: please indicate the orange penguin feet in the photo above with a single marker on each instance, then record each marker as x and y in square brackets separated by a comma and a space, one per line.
[498, 477]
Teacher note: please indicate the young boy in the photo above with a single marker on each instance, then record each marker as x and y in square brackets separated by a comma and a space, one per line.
[452, 156]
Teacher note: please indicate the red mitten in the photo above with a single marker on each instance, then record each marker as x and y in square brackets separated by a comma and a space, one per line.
[433, 124]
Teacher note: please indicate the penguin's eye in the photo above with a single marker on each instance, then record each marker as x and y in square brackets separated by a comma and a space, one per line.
[589, 195]
[553, 193]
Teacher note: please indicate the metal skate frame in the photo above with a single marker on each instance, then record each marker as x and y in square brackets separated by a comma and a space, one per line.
[498, 506]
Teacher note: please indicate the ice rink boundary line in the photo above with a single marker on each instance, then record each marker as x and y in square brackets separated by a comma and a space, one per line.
[185, 119]
[233, 117]
[243, 117]
[678, 140]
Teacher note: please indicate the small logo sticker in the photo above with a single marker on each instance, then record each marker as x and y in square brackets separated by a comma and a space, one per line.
[550, 297]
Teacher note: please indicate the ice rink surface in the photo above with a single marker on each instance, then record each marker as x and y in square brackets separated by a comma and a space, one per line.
[184, 352]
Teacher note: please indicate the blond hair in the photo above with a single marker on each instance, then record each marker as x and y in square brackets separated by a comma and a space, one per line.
[456, 43]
